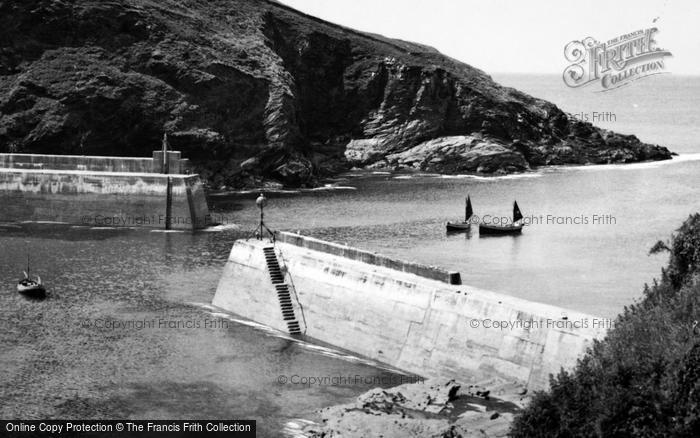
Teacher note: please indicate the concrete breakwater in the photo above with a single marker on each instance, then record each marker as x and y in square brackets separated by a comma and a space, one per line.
[103, 191]
[402, 314]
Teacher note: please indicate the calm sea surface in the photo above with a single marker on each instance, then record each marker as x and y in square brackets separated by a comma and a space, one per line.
[126, 331]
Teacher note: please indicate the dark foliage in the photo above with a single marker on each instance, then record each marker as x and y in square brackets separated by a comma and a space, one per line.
[642, 379]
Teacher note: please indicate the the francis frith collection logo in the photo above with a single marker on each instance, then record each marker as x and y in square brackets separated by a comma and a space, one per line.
[615, 63]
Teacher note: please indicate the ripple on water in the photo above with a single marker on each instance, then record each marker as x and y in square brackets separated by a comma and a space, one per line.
[119, 337]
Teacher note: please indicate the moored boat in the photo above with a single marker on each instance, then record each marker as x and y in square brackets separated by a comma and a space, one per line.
[515, 227]
[466, 224]
[32, 287]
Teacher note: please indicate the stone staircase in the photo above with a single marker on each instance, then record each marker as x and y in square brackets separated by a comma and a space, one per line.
[283, 292]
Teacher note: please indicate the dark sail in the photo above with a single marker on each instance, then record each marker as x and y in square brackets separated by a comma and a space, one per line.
[468, 212]
[516, 212]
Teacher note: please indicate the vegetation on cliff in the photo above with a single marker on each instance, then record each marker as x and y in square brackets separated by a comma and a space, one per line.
[252, 90]
[643, 379]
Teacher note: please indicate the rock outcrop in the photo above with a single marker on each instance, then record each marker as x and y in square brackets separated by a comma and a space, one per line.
[424, 410]
[253, 91]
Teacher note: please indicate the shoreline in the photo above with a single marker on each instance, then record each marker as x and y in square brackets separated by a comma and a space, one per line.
[334, 183]
[433, 408]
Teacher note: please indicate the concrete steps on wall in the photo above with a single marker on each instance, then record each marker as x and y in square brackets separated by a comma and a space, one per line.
[282, 289]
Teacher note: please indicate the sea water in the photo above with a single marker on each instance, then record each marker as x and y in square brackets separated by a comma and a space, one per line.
[127, 330]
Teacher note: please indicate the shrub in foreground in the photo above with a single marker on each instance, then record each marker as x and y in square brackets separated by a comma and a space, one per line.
[643, 379]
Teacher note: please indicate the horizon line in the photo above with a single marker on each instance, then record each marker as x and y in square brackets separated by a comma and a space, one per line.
[560, 73]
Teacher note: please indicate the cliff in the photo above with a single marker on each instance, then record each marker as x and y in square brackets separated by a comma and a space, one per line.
[253, 91]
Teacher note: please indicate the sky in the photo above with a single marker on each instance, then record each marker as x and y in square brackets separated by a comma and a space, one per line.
[516, 36]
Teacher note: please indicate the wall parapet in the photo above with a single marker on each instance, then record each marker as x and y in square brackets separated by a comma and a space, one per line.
[372, 258]
[154, 164]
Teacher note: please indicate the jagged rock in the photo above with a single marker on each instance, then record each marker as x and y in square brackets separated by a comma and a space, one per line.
[251, 79]
[460, 154]
[420, 410]
[296, 171]
[355, 424]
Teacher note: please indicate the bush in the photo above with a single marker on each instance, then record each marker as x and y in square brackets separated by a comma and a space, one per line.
[643, 378]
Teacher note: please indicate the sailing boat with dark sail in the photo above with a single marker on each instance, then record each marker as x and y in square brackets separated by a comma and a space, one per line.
[515, 227]
[466, 225]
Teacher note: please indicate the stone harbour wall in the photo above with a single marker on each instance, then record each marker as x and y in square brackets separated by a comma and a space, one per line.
[154, 164]
[101, 191]
[411, 322]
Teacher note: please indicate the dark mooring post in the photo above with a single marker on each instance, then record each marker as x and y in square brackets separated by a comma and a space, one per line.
[261, 202]
[166, 162]
[169, 188]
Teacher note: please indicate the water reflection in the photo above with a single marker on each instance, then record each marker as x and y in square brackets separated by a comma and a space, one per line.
[121, 334]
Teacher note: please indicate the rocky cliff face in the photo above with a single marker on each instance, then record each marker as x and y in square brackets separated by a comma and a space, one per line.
[253, 91]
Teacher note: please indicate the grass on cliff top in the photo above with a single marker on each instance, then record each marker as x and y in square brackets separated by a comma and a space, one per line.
[643, 379]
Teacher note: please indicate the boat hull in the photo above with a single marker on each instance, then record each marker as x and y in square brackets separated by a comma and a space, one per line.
[458, 226]
[32, 290]
[497, 230]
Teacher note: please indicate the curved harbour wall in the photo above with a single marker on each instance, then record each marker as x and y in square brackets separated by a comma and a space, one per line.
[102, 191]
[400, 317]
